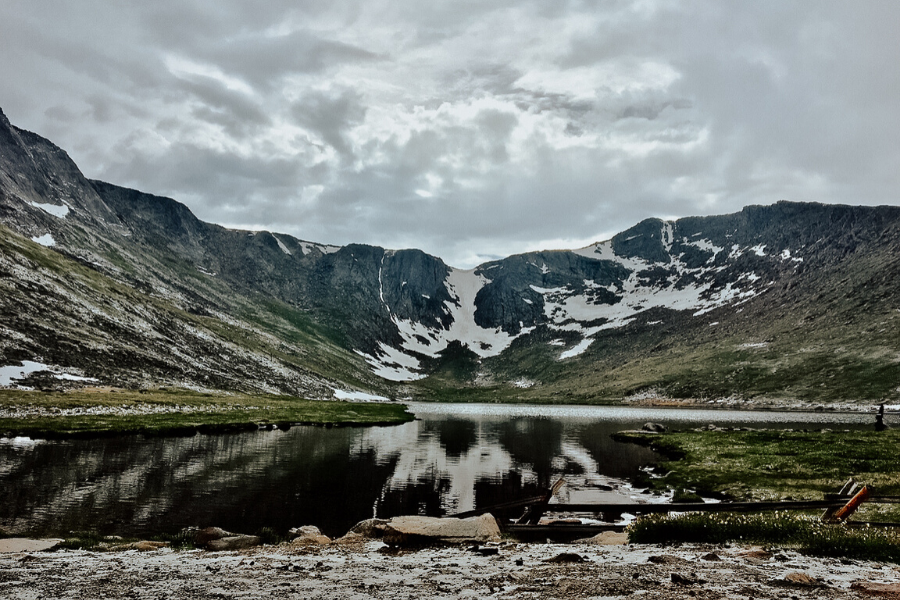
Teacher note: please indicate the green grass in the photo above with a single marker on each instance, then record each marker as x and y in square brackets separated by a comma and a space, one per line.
[800, 532]
[193, 411]
[773, 464]
[770, 465]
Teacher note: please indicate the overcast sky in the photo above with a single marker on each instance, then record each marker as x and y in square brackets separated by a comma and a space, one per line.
[468, 129]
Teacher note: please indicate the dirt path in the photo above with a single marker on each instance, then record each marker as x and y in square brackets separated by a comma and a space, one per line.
[366, 571]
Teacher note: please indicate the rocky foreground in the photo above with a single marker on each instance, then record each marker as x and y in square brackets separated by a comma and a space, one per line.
[365, 568]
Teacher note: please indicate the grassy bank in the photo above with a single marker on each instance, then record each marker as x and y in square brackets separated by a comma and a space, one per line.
[773, 464]
[770, 465]
[98, 413]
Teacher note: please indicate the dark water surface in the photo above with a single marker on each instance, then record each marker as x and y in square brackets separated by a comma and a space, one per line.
[454, 458]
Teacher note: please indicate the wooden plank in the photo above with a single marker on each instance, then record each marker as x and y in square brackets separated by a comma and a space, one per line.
[850, 507]
[635, 508]
[534, 512]
[844, 492]
[498, 507]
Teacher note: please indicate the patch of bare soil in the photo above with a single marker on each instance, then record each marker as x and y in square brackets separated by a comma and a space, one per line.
[372, 570]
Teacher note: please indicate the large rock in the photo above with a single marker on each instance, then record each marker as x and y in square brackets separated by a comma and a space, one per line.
[308, 534]
[235, 542]
[370, 528]
[208, 534]
[419, 530]
[28, 545]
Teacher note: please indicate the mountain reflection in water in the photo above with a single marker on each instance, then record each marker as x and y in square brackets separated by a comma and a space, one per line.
[454, 458]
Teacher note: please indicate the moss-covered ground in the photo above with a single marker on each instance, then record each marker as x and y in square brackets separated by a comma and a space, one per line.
[98, 413]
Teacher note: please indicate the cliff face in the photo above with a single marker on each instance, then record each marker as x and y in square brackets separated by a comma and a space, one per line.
[131, 288]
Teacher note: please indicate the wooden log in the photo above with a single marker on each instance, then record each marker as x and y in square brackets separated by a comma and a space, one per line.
[503, 506]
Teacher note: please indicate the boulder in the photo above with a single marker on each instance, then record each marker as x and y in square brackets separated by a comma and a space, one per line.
[422, 530]
[205, 536]
[308, 534]
[28, 545]
[654, 427]
[234, 542]
[370, 528]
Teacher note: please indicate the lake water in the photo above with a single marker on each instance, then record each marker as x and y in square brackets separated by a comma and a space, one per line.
[453, 458]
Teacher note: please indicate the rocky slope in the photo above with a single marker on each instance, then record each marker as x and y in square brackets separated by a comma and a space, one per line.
[784, 301]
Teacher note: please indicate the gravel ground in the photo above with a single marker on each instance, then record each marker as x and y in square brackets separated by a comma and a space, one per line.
[368, 570]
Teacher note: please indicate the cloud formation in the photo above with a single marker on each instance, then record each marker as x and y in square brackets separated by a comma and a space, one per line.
[470, 130]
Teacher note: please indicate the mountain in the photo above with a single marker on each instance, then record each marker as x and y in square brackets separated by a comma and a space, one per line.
[782, 302]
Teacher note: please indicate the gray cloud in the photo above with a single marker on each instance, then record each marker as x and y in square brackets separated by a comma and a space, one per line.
[466, 129]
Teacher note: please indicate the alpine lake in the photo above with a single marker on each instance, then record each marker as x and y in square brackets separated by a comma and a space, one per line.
[452, 458]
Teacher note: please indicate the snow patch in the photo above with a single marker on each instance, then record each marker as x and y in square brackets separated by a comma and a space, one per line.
[786, 255]
[577, 349]
[58, 211]
[668, 235]
[307, 247]
[759, 249]
[45, 240]
[392, 364]
[705, 245]
[12, 373]
[282, 246]
[359, 396]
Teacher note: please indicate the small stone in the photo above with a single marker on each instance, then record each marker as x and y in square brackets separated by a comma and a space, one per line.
[797, 579]
[566, 557]
[691, 579]
[712, 556]
[666, 559]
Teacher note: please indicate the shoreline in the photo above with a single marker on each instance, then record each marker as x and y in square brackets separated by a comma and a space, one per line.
[92, 414]
[509, 570]
[95, 413]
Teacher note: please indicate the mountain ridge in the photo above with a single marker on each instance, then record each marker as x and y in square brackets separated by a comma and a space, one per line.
[264, 311]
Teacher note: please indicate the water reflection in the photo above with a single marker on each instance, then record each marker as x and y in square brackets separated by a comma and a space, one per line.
[453, 459]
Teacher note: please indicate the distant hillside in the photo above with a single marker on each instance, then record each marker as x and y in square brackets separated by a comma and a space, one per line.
[783, 302]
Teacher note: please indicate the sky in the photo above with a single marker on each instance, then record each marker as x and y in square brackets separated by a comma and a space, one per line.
[471, 130]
